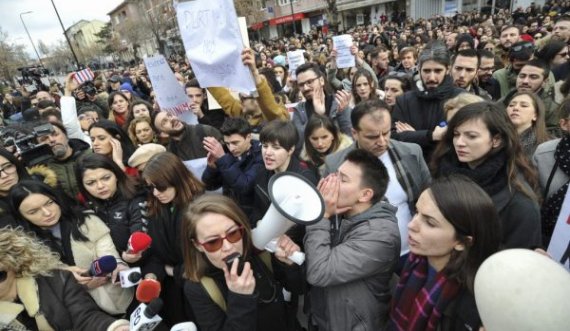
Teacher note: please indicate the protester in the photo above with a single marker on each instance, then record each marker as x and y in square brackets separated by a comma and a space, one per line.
[35, 294]
[110, 140]
[140, 131]
[321, 139]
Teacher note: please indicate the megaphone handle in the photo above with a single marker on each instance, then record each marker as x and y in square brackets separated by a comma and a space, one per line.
[297, 257]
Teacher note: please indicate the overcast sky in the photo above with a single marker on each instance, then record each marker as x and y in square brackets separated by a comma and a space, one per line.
[43, 24]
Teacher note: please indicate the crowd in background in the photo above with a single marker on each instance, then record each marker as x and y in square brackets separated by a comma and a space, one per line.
[448, 141]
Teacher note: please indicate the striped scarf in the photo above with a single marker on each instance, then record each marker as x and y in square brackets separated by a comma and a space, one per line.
[418, 304]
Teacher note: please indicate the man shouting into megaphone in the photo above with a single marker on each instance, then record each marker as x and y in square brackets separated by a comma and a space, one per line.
[351, 266]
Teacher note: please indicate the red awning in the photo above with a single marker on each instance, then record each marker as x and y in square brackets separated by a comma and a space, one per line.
[257, 26]
[286, 19]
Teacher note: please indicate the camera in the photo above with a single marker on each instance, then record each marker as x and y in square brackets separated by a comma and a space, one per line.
[25, 142]
[89, 89]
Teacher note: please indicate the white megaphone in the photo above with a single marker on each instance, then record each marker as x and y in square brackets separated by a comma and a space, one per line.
[293, 200]
[519, 289]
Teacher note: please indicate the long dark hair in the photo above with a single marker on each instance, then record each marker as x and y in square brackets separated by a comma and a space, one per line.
[373, 86]
[167, 170]
[315, 122]
[126, 185]
[476, 222]
[20, 168]
[498, 123]
[71, 212]
[116, 132]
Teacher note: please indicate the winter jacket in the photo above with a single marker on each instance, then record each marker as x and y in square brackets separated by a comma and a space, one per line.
[461, 314]
[544, 161]
[237, 177]
[189, 146]
[423, 110]
[247, 312]
[63, 303]
[64, 169]
[350, 268]
[122, 216]
[551, 115]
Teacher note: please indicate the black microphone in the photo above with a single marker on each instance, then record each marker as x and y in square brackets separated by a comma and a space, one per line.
[102, 266]
[145, 317]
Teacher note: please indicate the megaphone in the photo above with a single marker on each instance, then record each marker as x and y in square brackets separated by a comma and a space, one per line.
[294, 200]
[519, 289]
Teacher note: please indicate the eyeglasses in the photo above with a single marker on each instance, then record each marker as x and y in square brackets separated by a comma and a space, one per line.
[8, 169]
[3, 275]
[213, 245]
[159, 188]
[307, 82]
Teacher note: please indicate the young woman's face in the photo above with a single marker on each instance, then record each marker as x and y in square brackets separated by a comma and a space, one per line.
[430, 234]
[101, 141]
[100, 183]
[215, 226]
[393, 89]
[164, 195]
[144, 132]
[8, 176]
[275, 157]
[120, 104]
[40, 210]
[521, 112]
[321, 139]
[140, 110]
[363, 88]
[473, 142]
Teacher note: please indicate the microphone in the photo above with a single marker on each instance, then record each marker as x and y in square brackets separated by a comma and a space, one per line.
[148, 290]
[186, 326]
[102, 266]
[138, 242]
[145, 317]
[130, 277]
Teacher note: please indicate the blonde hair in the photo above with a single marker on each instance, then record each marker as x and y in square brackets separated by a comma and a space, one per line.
[132, 129]
[25, 255]
[458, 102]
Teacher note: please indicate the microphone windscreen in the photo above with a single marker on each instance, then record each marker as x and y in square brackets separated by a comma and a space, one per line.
[104, 265]
[153, 308]
[139, 241]
[148, 290]
[134, 277]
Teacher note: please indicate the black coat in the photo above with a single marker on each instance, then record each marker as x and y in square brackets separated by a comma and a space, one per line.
[422, 110]
[460, 314]
[248, 312]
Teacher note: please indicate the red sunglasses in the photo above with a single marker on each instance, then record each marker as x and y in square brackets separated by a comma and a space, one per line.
[215, 244]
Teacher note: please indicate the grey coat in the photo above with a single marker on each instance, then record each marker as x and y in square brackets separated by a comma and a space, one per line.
[543, 160]
[351, 268]
[412, 170]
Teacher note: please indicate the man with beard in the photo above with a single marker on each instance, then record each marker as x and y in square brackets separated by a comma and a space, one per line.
[418, 114]
[561, 31]
[65, 153]
[508, 37]
[485, 74]
[379, 59]
[186, 140]
[519, 55]
[464, 72]
[533, 77]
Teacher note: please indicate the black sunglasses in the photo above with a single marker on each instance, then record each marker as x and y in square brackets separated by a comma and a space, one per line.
[3, 276]
[159, 188]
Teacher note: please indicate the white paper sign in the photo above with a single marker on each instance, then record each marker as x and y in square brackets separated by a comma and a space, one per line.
[295, 59]
[213, 44]
[342, 44]
[559, 247]
[197, 168]
[170, 95]
[243, 31]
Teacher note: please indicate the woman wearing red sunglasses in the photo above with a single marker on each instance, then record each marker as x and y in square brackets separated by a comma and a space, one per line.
[227, 297]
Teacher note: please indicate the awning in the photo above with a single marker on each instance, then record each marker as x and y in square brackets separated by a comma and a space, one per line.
[257, 26]
[286, 19]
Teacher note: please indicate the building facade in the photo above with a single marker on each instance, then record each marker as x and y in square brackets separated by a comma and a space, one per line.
[82, 36]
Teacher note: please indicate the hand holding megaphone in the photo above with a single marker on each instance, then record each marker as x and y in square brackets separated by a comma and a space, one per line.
[286, 250]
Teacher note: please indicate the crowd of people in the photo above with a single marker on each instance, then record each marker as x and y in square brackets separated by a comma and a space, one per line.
[447, 142]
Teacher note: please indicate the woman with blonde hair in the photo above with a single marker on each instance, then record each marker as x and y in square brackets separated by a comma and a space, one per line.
[214, 229]
[36, 295]
[141, 132]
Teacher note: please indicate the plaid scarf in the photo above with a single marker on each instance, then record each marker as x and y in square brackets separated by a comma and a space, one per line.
[418, 304]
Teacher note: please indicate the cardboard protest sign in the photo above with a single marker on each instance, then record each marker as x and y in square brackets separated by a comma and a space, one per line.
[170, 95]
[342, 44]
[559, 247]
[213, 44]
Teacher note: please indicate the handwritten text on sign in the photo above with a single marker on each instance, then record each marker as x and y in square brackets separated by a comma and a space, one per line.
[213, 44]
[170, 95]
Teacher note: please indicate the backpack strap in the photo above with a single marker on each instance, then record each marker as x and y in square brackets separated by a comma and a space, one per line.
[265, 257]
[214, 292]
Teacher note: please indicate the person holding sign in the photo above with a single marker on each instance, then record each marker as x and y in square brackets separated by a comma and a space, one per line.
[257, 110]
[552, 160]
[347, 82]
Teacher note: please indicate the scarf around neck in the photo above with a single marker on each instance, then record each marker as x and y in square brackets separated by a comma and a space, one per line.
[419, 302]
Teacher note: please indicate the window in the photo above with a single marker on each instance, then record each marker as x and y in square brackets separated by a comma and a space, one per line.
[285, 2]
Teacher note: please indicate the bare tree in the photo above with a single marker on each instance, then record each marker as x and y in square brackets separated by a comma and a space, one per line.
[160, 20]
[43, 48]
[332, 15]
[135, 35]
[12, 56]
[250, 9]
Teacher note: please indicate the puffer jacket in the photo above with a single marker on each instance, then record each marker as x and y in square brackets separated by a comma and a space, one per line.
[350, 269]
